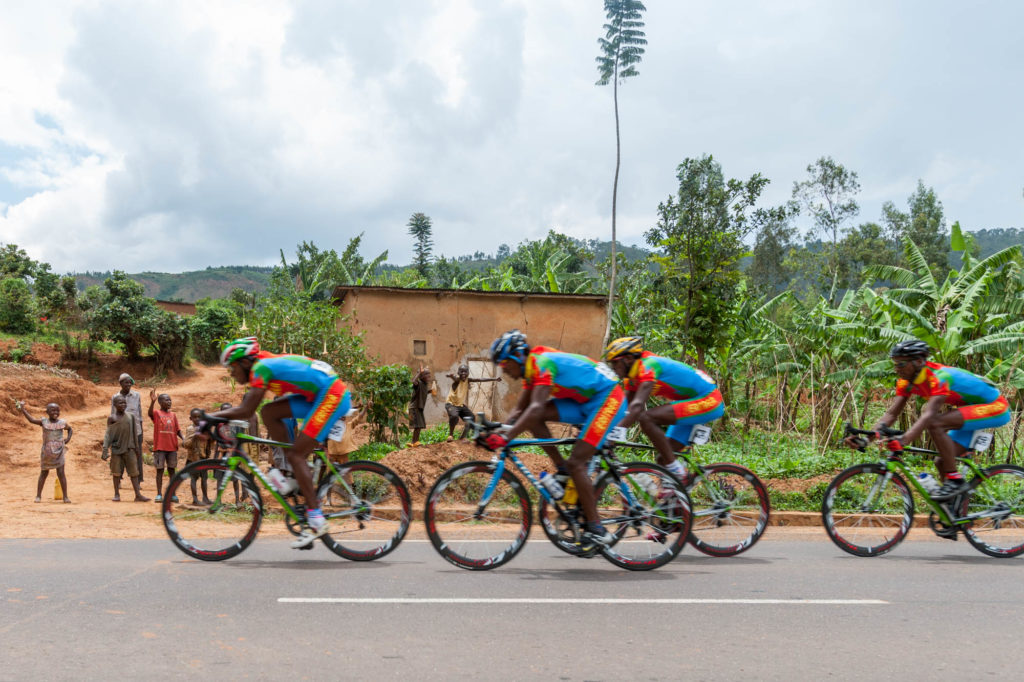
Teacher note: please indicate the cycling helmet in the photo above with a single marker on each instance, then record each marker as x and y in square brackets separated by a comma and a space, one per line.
[627, 345]
[510, 345]
[238, 349]
[910, 349]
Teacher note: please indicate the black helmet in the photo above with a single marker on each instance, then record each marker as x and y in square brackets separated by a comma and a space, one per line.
[910, 349]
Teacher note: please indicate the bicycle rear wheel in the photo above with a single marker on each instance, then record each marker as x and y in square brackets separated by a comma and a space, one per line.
[863, 513]
[557, 529]
[730, 510]
[367, 506]
[219, 531]
[649, 514]
[1000, 498]
[470, 534]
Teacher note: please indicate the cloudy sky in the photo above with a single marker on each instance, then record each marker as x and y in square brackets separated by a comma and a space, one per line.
[175, 135]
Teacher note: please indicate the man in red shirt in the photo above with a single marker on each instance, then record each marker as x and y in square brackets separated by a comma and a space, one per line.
[166, 436]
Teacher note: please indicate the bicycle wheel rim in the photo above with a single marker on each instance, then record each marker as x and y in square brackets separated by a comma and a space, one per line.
[368, 511]
[1001, 498]
[470, 537]
[215, 532]
[651, 522]
[730, 510]
[863, 522]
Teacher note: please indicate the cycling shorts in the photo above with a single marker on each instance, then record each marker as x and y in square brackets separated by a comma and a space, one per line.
[978, 417]
[692, 412]
[322, 413]
[599, 415]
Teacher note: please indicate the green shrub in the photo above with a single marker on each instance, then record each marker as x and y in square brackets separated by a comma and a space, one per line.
[17, 311]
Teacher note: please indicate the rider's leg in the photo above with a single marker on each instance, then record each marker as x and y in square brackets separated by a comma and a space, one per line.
[651, 422]
[949, 450]
[578, 462]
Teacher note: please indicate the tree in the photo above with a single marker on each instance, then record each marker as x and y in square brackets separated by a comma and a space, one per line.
[771, 268]
[17, 314]
[621, 51]
[700, 235]
[14, 262]
[828, 195]
[924, 224]
[420, 229]
[125, 315]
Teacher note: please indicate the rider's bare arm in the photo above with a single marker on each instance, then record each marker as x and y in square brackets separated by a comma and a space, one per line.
[250, 403]
[637, 403]
[536, 399]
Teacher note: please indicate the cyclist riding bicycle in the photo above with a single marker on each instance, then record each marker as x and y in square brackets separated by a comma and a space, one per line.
[568, 388]
[978, 406]
[307, 389]
[694, 397]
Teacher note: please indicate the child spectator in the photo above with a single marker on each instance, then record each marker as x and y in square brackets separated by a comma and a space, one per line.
[166, 434]
[422, 385]
[197, 447]
[52, 455]
[222, 452]
[134, 403]
[119, 446]
[457, 402]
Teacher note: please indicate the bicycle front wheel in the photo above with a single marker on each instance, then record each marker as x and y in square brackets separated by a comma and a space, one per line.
[730, 509]
[213, 532]
[648, 512]
[475, 519]
[999, 501]
[865, 511]
[367, 506]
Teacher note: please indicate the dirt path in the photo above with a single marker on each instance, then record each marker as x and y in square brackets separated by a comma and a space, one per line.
[85, 407]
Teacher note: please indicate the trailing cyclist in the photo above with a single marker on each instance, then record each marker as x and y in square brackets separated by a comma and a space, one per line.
[307, 389]
[978, 404]
[694, 397]
[568, 388]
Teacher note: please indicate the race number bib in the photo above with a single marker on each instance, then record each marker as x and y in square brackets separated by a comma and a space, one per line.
[337, 431]
[606, 371]
[981, 441]
[321, 366]
[701, 434]
[618, 433]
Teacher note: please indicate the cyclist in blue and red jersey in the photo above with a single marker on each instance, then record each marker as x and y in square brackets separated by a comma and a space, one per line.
[568, 388]
[978, 405]
[692, 397]
[307, 389]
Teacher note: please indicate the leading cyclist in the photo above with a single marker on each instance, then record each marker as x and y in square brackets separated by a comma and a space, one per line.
[695, 398]
[562, 387]
[307, 389]
[978, 404]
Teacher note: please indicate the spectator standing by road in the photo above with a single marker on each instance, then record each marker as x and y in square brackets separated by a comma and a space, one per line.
[166, 435]
[119, 445]
[197, 447]
[422, 386]
[133, 402]
[457, 402]
[52, 456]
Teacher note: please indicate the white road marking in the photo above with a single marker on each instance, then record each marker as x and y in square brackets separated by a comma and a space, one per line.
[568, 600]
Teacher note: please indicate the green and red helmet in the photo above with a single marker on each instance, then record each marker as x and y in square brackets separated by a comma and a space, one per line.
[238, 349]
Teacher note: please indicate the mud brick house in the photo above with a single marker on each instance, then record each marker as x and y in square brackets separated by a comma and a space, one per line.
[441, 328]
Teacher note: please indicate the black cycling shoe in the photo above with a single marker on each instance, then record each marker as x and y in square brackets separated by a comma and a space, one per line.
[950, 489]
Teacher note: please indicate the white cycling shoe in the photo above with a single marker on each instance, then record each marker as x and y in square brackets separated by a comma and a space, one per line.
[310, 534]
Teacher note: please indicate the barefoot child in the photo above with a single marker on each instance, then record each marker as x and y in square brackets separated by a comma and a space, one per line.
[52, 456]
[166, 434]
[119, 446]
[197, 447]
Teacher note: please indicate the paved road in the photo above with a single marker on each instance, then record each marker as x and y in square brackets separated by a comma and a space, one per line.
[90, 608]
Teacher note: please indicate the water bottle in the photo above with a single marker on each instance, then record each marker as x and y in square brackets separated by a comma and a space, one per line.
[928, 482]
[571, 496]
[551, 485]
[282, 484]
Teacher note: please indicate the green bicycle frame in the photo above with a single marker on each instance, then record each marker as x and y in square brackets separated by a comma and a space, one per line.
[893, 464]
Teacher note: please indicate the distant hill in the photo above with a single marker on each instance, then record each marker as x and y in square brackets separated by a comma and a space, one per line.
[191, 286]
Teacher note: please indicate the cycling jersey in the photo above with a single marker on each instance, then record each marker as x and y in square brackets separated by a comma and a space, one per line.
[571, 376]
[316, 393]
[672, 379]
[958, 386]
[583, 391]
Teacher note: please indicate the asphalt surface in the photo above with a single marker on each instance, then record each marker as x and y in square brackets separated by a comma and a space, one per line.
[87, 609]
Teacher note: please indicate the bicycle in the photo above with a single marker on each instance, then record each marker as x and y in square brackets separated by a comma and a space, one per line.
[366, 503]
[730, 504]
[478, 514]
[868, 507]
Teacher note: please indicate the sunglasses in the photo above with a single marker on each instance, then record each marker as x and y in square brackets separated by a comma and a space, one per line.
[900, 364]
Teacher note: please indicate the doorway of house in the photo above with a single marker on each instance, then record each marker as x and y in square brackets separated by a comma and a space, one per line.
[482, 396]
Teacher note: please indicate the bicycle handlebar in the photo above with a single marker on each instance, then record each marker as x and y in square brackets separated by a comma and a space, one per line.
[850, 430]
